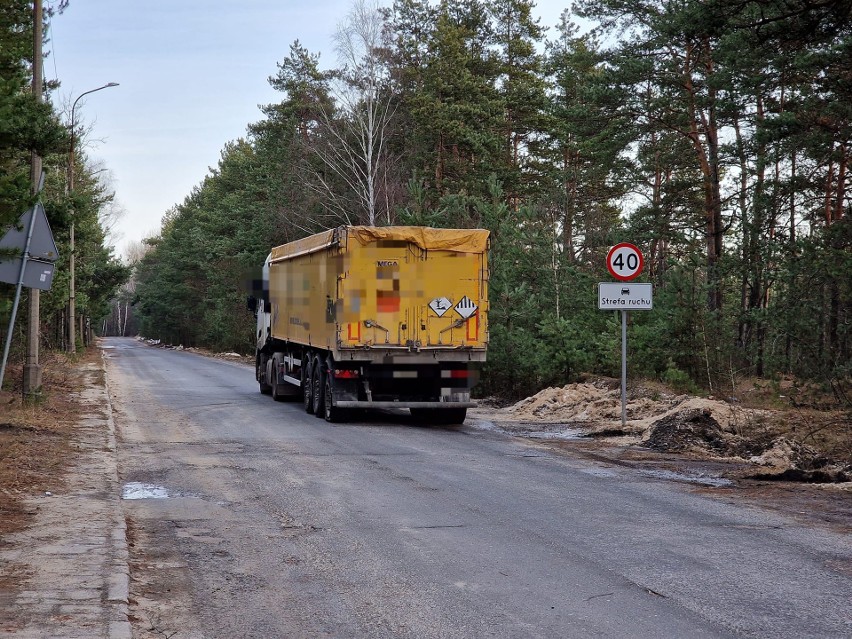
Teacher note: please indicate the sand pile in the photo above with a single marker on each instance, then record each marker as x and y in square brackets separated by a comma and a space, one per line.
[587, 402]
[790, 460]
[598, 406]
[671, 423]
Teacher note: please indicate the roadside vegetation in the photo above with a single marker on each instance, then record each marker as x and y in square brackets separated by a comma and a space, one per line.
[37, 438]
[28, 126]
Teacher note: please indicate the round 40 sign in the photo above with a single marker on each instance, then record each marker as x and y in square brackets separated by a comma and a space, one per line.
[624, 262]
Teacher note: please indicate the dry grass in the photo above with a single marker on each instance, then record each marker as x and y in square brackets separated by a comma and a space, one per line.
[803, 412]
[36, 436]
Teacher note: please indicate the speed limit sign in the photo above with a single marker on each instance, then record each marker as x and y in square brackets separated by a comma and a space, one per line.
[624, 262]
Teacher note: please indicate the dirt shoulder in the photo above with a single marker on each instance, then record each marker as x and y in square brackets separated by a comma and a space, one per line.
[774, 445]
[63, 553]
[36, 438]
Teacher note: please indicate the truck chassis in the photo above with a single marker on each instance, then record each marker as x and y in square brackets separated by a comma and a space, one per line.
[437, 392]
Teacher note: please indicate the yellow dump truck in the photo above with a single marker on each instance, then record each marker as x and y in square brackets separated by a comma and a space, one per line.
[375, 317]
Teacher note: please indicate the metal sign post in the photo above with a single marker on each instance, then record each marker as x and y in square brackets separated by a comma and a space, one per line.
[623, 369]
[624, 262]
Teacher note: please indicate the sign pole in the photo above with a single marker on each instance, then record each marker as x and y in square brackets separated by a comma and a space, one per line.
[31, 380]
[623, 370]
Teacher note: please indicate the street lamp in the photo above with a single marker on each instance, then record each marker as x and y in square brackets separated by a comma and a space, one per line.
[72, 340]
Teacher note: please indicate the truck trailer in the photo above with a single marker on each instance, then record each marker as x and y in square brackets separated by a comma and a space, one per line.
[375, 317]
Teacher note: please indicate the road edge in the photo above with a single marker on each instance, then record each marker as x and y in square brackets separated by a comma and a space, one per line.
[118, 588]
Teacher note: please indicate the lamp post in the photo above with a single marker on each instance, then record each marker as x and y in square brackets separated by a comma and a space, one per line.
[72, 340]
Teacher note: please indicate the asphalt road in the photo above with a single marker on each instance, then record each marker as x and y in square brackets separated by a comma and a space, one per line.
[278, 524]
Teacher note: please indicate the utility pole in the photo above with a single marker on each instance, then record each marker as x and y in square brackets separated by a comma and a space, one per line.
[32, 368]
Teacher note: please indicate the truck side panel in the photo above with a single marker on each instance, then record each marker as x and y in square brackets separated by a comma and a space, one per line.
[302, 290]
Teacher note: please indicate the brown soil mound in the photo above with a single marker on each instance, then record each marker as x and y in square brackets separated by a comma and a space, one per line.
[686, 430]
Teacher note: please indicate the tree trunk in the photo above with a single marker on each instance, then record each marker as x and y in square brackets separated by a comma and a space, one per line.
[658, 244]
[708, 160]
[742, 326]
[841, 185]
[793, 200]
[570, 187]
[829, 180]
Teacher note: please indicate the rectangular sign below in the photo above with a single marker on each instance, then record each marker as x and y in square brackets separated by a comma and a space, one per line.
[623, 296]
[38, 273]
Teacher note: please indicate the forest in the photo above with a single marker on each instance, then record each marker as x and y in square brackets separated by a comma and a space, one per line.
[713, 134]
[31, 125]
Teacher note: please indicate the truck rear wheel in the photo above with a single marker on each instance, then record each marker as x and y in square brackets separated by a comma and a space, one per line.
[333, 414]
[308, 388]
[317, 382]
[439, 416]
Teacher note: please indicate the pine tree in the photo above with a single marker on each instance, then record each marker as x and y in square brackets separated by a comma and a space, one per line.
[26, 125]
[585, 147]
[458, 113]
[522, 89]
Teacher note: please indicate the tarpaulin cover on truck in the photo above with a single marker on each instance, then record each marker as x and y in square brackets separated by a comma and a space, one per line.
[426, 238]
[379, 293]
[305, 245]
[430, 239]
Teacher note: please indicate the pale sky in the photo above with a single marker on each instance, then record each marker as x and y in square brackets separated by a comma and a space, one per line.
[191, 73]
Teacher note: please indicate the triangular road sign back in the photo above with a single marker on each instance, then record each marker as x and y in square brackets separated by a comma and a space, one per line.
[42, 246]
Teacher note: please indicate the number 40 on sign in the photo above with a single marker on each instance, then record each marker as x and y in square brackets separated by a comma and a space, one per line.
[624, 262]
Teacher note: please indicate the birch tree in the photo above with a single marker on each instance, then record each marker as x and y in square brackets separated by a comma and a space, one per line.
[356, 149]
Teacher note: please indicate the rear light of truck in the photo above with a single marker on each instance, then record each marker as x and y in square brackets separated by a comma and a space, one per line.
[456, 373]
[345, 373]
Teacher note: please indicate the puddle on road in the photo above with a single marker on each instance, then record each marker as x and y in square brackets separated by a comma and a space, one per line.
[525, 429]
[599, 472]
[568, 433]
[138, 490]
[704, 480]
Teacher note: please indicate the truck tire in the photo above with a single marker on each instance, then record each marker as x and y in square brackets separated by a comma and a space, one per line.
[318, 393]
[439, 416]
[260, 373]
[282, 391]
[333, 414]
[277, 395]
[308, 388]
